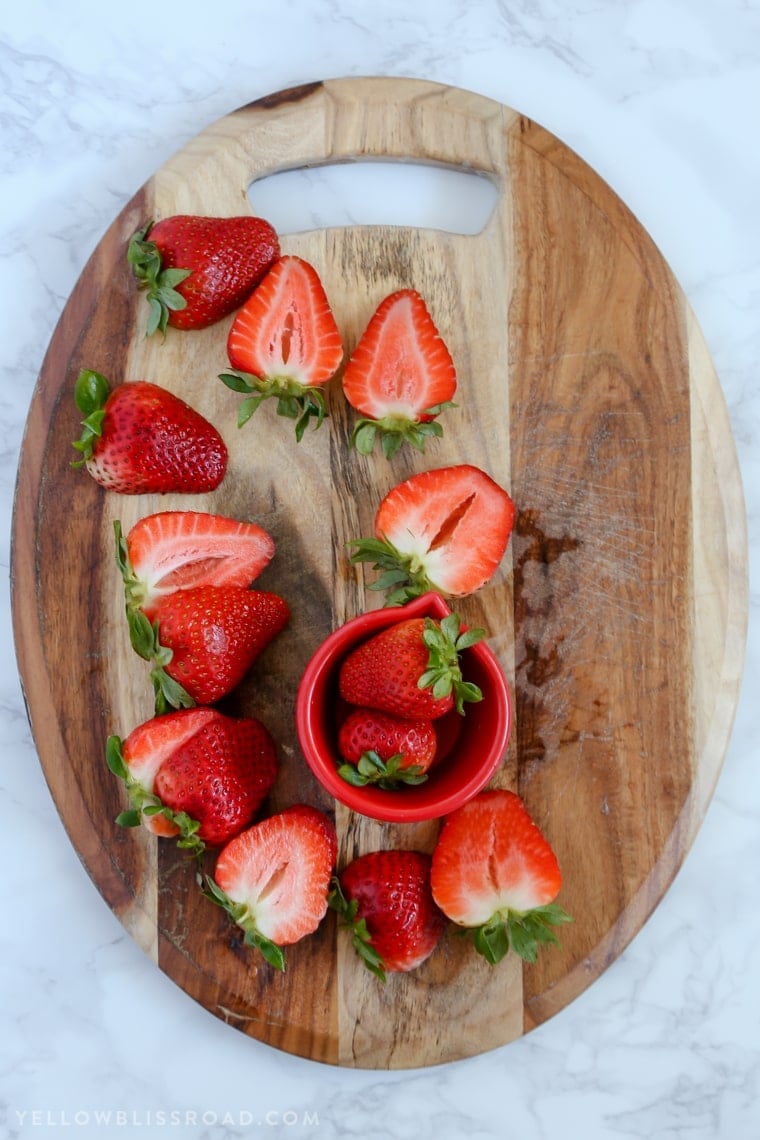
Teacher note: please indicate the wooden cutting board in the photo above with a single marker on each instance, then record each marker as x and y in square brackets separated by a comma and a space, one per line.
[618, 613]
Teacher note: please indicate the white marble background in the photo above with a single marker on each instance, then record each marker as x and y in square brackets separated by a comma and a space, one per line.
[662, 97]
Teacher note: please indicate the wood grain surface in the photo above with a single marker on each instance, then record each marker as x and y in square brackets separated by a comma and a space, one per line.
[618, 612]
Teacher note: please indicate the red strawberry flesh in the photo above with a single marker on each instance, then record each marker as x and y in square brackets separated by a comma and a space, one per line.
[491, 858]
[451, 524]
[173, 550]
[401, 366]
[286, 329]
[280, 870]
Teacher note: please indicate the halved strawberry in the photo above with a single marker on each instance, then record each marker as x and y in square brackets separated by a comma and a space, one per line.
[284, 343]
[411, 669]
[195, 773]
[385, 750]
[273, 879]
[384, 899]
[139, 438]
[444, 530]
[202, 641]
[173, 550]
[400, 376]
[494, 873]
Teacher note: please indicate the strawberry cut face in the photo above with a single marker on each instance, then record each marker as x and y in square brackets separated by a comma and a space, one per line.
[273, 879]
[400, 376]
[173, 550]
[285, 344]
[444, 529]
[494, 872]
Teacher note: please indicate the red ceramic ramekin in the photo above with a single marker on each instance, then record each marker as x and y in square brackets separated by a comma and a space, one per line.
[471, 747]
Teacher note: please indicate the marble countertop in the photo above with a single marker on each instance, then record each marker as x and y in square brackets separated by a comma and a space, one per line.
[661, 97]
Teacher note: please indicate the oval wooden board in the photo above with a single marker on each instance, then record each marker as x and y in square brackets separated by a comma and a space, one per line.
[618, 613]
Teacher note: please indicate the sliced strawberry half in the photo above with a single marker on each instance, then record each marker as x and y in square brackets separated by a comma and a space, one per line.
[138, 758]
[173, 550]
[446, 529]
[494, 873]
[284, 343]
[400, 376]
[274, 878]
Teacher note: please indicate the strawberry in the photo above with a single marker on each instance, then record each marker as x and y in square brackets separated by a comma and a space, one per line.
[173, 550]
[284, 343]
[411, 669]
[444, 530]
[195, 773]
[202, 641]
[140, 439]
[400, 376]
[196, 270]
[494, 873]
[273, 879]
[385, 750]
[384, 898]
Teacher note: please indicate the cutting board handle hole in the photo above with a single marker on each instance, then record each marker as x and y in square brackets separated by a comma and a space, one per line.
[375, 193]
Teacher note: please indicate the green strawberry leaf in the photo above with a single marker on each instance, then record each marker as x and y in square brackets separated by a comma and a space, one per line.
[144, 259]
[360, 936]
[294, 401]
[388, 774]
[522, 932]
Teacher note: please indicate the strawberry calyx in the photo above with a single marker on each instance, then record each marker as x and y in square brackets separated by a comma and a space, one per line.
[445, 640]
[393, 431]
[402, 576]
[295, 401]
[240, 913]
[361, 940]
[522, 932]
[144, 258]
[387, 774]
[145, 803]
[91, 392]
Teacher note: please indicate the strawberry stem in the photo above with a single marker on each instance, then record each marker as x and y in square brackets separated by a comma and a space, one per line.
[393, 431]
[361, 940]
[241, 915]
[295, 401]
[387, 774]
[402, 576]
[144, 258]
[91, 392]
[445, 640]
[523, 932]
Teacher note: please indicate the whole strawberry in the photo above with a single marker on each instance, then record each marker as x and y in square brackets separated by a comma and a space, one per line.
[195, 773]
[494, 873]
[140, 439]
[196, 270]
[203, 640]
[384, 899]
[411, 669]
[273, 878]
[385, 750]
